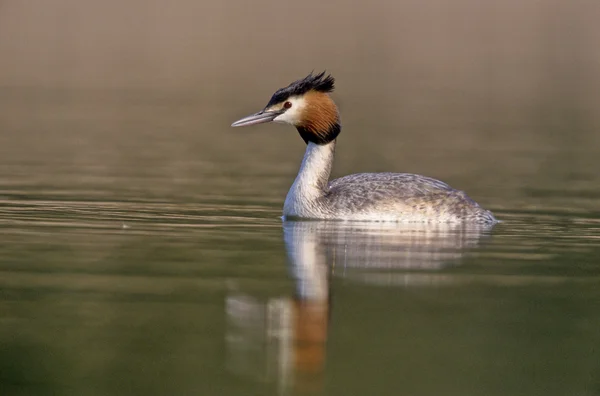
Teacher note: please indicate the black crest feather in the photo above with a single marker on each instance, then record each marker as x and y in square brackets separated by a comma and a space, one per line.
[319, 82]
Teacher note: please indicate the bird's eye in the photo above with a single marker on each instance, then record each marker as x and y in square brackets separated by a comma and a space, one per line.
[287, 105]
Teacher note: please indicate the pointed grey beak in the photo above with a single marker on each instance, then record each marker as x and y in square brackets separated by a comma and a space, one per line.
[259, 118]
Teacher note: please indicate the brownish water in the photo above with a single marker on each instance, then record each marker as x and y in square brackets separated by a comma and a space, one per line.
[142, 249]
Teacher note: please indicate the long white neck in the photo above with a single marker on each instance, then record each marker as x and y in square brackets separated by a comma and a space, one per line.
[311, 182]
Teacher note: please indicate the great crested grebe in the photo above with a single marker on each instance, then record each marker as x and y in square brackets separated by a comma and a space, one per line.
[400, 197]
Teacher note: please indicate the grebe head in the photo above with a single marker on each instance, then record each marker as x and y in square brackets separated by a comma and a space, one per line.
[305, 104]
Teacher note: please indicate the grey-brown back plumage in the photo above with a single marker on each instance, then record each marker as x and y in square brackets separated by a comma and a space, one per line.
[411, 197]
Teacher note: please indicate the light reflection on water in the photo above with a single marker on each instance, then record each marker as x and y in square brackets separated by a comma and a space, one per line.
[283, 339]
[142, 250]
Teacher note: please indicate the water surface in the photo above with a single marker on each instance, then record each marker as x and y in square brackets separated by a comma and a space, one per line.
[164, 267]
[142, 248]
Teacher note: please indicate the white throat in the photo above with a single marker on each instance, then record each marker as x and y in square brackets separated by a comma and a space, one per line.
[303, 199]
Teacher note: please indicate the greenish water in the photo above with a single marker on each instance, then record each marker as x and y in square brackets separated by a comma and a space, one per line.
[142, 252]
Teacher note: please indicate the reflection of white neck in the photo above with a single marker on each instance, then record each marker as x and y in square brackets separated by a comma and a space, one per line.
[307, 260]
[311, 182]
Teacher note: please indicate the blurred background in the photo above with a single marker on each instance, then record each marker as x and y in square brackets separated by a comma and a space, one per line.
[142, 243]
[502, 96]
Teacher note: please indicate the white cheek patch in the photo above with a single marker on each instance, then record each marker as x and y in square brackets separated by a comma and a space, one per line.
[293, 115]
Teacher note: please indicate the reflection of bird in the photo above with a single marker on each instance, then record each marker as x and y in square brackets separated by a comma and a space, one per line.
[383, 253]
[306, 104]
[371, 245]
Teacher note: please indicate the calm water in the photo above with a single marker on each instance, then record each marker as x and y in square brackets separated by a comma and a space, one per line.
[142, 250]
[141, 256]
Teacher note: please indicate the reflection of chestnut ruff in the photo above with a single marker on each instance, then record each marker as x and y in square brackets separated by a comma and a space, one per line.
[310, 334]
[284, 339]
[281, 339]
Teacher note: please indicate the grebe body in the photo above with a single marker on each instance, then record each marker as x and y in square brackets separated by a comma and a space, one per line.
[399, 197]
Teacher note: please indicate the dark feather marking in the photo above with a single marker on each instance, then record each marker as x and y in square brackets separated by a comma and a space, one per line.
[320, 137]
[319, 83]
